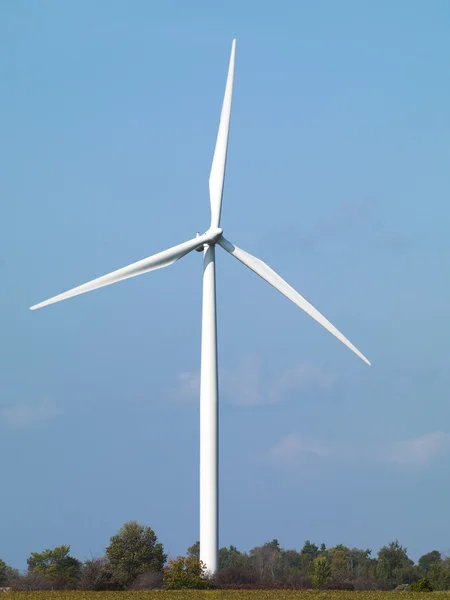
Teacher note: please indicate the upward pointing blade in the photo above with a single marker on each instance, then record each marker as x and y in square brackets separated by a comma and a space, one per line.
[217, 175]
[151, 263]
[269, 275]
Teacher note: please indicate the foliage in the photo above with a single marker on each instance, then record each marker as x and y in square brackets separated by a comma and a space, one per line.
[428, 560]
[7, 574]
[340, 562]
[320, 572]
[33, 581]
[209, 595]
[230, 558]
[439, 575]
[135, 550]
[148, 581]
[267, 561]
[135, 561]
[273, 545]
[194, 550]
[341, 585]
[146, 595]
[55, 564]
[186, 573]
[241, 577]
[98, 575]
[391, 560]
[3, 572]
[310, 550]
[423, 585]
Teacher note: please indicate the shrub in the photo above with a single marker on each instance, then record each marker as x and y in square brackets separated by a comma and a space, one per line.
[370, 584]
[236, 576]
[341, 585]
[296, 581]
[32, 581]
[7, 574]
[186, 573]
[423, 585]
[148, 581]
[97, 575]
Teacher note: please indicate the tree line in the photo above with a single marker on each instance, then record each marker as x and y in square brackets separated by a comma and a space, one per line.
[135, 559]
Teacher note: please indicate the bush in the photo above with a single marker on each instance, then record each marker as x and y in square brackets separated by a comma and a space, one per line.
[341, 585]
[98, 576]
[7, 574]
[236, 577]
[296, 581]
[370, 584]
[403, 587]
[148, 581]
[32, 581]
[186, 573]
[423, 585]
[261, 585]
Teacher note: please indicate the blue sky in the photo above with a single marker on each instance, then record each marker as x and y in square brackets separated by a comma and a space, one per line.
[337, 176]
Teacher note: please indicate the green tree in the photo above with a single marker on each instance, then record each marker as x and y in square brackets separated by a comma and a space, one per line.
[439, 575]
[230, 557]
[186, 573]
[310, 550]
[408, 574]
[391, 560]
[55, 564]
[361, 563]
[307, 555]
[341, 565]
[274, 545]
[135, 550]
[320, 572]
[292, 559]
[194, 550]
[429, 559]
[3, 573]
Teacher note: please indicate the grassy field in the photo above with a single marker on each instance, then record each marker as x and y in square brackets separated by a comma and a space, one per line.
[223, 595]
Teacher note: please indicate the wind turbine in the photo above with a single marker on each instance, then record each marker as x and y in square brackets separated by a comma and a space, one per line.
[209, 396]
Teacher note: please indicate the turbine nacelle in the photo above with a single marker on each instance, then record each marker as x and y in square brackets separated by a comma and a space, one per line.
[214, 236]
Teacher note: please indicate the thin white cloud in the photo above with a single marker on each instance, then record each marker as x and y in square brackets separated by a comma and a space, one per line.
[187, 387]
[292, 450]
[304, 377]
[243, 385]
[25, 414]
[247, 385]
[419, 450]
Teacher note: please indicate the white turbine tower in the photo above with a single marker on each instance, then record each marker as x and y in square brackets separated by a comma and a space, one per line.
[209, 397]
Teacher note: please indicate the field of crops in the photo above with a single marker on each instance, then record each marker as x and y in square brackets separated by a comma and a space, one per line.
[224, 595]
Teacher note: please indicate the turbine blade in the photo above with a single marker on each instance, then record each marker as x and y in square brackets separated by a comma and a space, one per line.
[217, 175]
[151, 263]
[264, 271]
